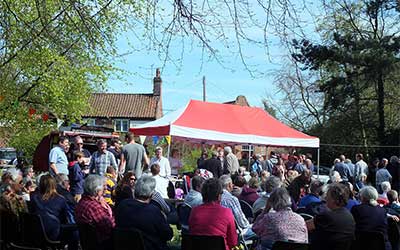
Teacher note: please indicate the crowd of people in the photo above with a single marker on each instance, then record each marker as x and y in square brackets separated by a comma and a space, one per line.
[121, 187]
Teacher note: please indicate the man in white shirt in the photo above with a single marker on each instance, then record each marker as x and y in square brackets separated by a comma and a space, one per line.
[161, 182]
[165, 169]
[360, 167]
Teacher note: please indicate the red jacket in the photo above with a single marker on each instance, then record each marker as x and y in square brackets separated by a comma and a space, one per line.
[214, 220]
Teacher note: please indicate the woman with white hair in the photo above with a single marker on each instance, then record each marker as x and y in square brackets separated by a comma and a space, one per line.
[141, 214]
[281, 225]
[369, 216]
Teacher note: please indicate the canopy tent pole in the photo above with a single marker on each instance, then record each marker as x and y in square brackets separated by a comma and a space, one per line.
[248, 158]
[318, 163]
[169, 146]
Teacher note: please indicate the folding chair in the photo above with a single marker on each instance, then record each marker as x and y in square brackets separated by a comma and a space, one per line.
[202, 242]
[288, 245]
[247, 210]
[184, 210]
[369, 240]
[87, 237]
[128, 239]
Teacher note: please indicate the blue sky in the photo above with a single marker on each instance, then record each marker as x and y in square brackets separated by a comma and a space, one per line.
[184, 82]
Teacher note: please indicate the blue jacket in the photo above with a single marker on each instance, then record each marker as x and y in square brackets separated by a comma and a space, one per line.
[75, 178]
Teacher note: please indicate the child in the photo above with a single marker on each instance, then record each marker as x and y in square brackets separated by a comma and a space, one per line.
[111, 180]
[76, 175]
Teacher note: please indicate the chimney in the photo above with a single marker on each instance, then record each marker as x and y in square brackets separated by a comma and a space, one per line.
[157, 83]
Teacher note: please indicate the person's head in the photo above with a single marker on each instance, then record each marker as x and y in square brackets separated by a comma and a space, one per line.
[254, 183]
[204, 154]
[226, 182]
[369, 195]
[342, 158]
[63, 142]
[197, 183]
[359, 157]
[239, 181]
[347, 160]
[128, 179]
[175, 153]
[280, 199]
[94, 185]
[28, 172]
[111, 171]
[384, 162]
[13, 177]
[211, 190]
[386, 186]
[63, 181]
[375, 162]
[47, 187]
[214, 154]
[227, 150]
[79, 156]
[116, 143]
[337, 196]
[78, 142]
[271, 184]
[394, 160]
[220, 152]
[392, 196]
[102, 145]
[308, 163]
[159, 152]
[144, 188]
[129, 137]
[316, 187]
[155, 169]
[363, 177]
[336, 177]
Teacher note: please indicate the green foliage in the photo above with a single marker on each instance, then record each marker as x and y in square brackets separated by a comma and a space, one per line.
[358, 65]
[53, 55]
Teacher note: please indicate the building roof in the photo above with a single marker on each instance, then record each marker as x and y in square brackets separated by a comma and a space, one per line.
[113, 105]
[240, 100]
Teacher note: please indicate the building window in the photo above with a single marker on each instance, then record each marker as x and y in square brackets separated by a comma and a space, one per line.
[121, 125]
[249, 149]
[90, 122]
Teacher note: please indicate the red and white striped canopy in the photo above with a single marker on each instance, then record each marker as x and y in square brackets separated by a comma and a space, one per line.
[226, 123]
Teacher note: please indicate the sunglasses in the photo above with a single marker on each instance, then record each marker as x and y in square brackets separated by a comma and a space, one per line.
[80, 143]
[133, 179]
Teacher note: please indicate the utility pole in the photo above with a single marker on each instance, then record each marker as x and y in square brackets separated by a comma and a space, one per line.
[204, 88]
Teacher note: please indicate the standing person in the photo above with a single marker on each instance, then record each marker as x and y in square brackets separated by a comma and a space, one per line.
[57, 158]
[232, 163]
[76, 176]
[360, 167]
[165, 169]
[342, 169]
[372, 169]
[202, 159]
[194, 198]
[394, 170]
[115, 149]
[221, 158]
[213, 165]
[382, 175]
[161, 182]
[133, 157]
[175, 162]
[78, 147]
[101, 159]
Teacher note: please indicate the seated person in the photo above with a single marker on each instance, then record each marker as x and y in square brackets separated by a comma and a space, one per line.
[211, 218]
[281, 225]
[369, 216]
[125, 188]
[382, 198]
[313, 196]
[11, 187]
[161, 182]
[53, 209]
[238, 183]
[63, 188]
[394, 203]
[333, 229]
[249, 192]
[194, 198]
[139, 213]
[271, 183]
[92, 209]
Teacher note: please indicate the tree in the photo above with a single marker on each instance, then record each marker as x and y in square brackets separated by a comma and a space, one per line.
[54, 53]
[358, 63]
